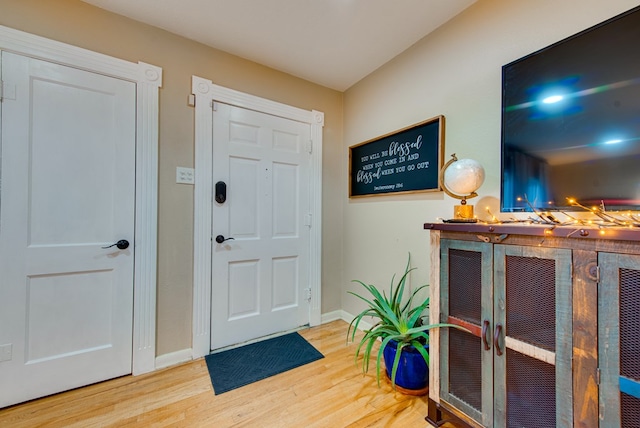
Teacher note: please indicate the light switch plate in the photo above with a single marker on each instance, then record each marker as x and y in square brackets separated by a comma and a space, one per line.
[185, 175]
[6, 352]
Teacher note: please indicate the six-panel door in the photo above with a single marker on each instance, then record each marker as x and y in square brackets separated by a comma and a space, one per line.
[260, 275]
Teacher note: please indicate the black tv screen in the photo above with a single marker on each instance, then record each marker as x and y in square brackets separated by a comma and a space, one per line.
[571, 122]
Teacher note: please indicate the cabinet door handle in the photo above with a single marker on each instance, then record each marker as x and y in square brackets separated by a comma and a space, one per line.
[485, 330]
[496, 339]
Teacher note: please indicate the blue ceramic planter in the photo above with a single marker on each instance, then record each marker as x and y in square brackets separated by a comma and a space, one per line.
[413, 372]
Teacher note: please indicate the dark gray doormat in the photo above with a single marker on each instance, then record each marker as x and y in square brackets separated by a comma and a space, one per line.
[250, 363]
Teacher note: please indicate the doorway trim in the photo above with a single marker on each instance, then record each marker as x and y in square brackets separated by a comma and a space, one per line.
[205, 93]
[148, 80]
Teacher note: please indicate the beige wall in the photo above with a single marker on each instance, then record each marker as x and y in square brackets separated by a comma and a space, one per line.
[456, 72]
[80, 24]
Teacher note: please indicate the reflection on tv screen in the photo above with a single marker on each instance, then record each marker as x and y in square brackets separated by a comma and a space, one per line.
[571, 121]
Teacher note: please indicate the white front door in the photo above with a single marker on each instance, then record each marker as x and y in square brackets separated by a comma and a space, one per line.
[260, 277]
[67, 191]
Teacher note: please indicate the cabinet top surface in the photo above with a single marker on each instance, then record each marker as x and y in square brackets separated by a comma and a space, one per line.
[577, 231]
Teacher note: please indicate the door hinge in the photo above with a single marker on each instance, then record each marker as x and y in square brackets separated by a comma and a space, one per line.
[310, 146]
[214, 106]
[598, 376]
[308, 290]
[1, 89]
[307, 219]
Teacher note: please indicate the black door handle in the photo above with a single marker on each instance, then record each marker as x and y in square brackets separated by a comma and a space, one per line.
[220, 239]
[122, 244]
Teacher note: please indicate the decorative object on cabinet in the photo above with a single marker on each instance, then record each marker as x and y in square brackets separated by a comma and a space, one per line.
[601, 217]
[400, 321]
[403, 161]
[552, 320]
[460, 178]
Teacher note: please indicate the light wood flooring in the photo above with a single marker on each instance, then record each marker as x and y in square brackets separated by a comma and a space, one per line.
[331, 392]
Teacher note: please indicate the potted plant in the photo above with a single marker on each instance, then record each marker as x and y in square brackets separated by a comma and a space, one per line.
[404, 338]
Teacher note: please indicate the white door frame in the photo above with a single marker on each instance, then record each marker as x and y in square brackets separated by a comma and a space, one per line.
[148, 79]
[205, 93]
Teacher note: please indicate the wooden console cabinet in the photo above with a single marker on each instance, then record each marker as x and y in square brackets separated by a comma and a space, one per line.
[553, 320]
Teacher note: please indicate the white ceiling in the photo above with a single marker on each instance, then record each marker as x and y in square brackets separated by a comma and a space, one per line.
[334, 43]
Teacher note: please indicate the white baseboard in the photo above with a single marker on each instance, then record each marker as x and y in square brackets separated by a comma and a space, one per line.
[346, 317]
[185, 355]
[173, 358]
[333, 316]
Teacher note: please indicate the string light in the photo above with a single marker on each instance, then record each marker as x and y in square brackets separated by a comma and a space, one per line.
[604, 218]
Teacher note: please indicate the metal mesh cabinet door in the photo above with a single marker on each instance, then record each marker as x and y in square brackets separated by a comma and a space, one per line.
[466, 300]
[532, 337]
[619, 340]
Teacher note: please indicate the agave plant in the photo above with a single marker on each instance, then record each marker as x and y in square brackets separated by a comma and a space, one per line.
[397, 319]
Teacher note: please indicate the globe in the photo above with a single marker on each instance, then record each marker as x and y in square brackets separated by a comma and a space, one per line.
[464, 176]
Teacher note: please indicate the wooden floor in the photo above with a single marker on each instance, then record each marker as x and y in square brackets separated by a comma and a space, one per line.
[331, 392]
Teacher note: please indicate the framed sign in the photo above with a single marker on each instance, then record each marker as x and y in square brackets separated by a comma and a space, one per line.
[408, 160]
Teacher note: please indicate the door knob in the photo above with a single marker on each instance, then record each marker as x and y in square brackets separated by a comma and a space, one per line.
[122, 244]
[220, 239]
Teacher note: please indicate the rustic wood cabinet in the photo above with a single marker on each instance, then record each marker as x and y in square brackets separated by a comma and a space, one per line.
[552, 318]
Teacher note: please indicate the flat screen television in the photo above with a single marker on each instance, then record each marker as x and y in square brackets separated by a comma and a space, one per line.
[571, 122]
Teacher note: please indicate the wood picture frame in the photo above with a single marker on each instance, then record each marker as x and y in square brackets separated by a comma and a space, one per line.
[405, 161]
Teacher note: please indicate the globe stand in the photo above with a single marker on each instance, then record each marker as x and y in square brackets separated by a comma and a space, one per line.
[462, 213]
